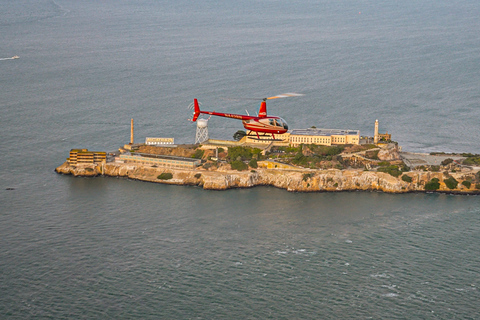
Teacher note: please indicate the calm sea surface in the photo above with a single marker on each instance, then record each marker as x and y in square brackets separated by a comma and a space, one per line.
[107, 248]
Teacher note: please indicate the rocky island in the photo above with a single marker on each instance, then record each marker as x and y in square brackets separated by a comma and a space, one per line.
[306, 168]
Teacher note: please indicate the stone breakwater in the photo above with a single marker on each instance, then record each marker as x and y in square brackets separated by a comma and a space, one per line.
[291, 180]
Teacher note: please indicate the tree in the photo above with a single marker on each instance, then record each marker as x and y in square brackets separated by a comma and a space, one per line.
[467, 184]
[432, 185]
[239, 135]
[447, 161]
[239, 165]
[451, 183]
[165, 176]
[253, 163]
[198, 154]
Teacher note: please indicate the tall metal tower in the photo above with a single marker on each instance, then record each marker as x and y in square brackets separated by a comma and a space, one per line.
[202, 131]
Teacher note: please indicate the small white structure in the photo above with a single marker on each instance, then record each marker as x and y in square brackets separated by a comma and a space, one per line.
[159, 141]
[202, 131]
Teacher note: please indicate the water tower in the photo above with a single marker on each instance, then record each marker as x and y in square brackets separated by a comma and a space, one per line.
[202, 131]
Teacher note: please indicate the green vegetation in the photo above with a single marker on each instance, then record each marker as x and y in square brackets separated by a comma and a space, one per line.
[307, 176]
[470, 155]
[311, 156]
[447, 161]
[432, 185]
[245, 153]
[435, 168]
[467, 184]
[207, 165]
[393, 170]
[165, 176]
[197, 176]
[198, 154]
[477, 186]
[472, 160]
[451, 183]
[372, 154]
[239, 135]
[239, 165]
[407, 178]
[253, 163]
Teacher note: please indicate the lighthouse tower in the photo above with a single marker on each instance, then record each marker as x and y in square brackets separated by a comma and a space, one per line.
[131, 131]
[202, 131]
[375, 134]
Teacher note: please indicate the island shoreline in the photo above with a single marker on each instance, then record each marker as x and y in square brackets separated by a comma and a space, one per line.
[330, 180]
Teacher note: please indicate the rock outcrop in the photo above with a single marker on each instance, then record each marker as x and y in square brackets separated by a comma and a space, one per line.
[291, 180]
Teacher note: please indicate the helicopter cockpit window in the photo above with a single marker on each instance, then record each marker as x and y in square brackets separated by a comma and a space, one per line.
[272, 122]
[283, 123]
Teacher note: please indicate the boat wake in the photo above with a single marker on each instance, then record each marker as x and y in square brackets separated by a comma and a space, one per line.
[12, 58]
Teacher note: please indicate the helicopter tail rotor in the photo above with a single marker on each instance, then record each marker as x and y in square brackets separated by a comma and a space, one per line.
[196, 112]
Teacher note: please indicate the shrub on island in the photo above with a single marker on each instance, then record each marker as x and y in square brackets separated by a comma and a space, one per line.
[451, 183]
[393, 170]
[198, 154]
[253, 163]
[165, 176]
[447, 161]
[238, 165]
[407, 178]
[432, 185]
[467, 184]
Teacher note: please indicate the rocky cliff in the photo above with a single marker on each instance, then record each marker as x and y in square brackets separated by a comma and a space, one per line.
[302, 181]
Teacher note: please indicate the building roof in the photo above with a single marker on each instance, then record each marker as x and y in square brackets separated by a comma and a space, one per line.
[323, 132]
[158, 156]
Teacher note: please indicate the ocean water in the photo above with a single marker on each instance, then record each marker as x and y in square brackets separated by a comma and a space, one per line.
[116, 248]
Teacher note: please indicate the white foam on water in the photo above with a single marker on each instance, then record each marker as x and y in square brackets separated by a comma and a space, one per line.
[379, 275]
[390, 295]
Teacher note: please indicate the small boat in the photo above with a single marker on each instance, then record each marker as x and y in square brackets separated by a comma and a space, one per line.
[15, 57]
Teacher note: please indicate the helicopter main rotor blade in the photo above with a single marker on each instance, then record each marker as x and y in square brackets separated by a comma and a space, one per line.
[285, 95]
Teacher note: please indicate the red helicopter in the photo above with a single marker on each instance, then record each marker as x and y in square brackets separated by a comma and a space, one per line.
[260, 123]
